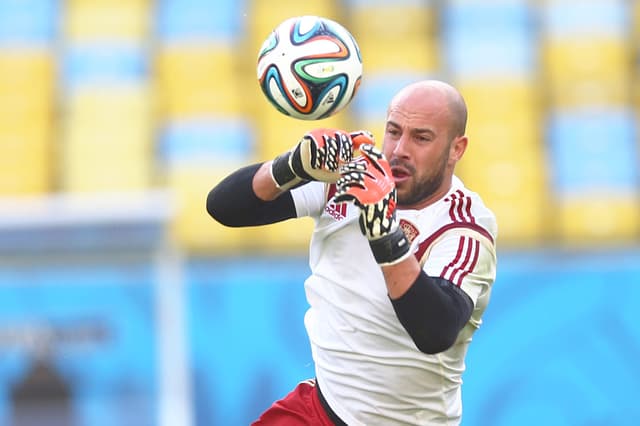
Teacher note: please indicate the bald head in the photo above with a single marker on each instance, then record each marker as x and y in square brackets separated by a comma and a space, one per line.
[436, 94]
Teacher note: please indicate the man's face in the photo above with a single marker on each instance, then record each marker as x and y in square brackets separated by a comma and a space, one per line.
[418, 145]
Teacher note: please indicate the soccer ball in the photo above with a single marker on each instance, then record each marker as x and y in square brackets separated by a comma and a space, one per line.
[309, 67]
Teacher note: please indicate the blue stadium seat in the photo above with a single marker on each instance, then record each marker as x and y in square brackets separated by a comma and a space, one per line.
[28, 22]
[593, 150]
[482, 40]
[594, 17]
[180, 20]
[395, 3]
[373, 96]
[497, 17]
[208, 140]
[97, 63]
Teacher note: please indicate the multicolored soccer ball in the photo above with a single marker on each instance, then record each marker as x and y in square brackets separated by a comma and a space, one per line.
[309, 67]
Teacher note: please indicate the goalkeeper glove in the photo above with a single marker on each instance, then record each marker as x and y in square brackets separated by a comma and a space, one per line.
[317, 156]
[368, 182]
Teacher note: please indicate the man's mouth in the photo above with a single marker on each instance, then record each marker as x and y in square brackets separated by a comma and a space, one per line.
[400, 173]
[400, 170]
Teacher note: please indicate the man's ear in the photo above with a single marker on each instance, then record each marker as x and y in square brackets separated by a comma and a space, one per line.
[458, 147]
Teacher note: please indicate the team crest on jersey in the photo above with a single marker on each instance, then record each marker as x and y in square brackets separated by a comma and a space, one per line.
[409, 229]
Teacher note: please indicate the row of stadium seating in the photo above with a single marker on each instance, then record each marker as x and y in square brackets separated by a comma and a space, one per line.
[97, 95]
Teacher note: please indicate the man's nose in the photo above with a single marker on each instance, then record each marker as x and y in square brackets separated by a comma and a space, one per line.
[399, 149]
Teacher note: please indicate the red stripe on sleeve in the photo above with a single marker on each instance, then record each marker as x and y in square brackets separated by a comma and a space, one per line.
[452, 208]
[473, 263]
[451, 264]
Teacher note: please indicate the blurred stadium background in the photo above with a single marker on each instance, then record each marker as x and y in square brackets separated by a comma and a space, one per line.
[122, 303]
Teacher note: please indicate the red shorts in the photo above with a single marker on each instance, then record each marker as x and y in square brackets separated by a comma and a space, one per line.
[301, 407]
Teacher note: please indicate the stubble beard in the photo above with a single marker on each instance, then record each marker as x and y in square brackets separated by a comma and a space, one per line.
[425, 188]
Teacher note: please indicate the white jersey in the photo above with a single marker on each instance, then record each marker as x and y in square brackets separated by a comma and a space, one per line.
[369, 369]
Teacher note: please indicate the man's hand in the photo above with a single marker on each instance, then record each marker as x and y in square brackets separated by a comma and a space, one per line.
[317, 156]
[368, 182]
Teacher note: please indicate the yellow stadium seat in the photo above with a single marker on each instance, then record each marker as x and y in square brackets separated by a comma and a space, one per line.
[598, 219]
[490, 140]
[502, 101]
[27, 81]
[277, 132]
[93, 176]
[386, 54]
[597, 59]
[634, 19]
[587, 71]
[107, 140]
[515, 188]
[291, 236]
[109, 103]
[26, 158]
[111, 116]
[193, 228]
[25, 179]
[264, 16]
[102, 19]
[504, 163]
[197, 80]
[373, 21]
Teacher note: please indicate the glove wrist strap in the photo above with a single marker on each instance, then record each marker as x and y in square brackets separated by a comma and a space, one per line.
[391, 249]
[282, 174]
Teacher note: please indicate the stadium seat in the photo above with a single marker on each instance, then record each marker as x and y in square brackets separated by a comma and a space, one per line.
[107, 140]
[99, 20]
[104, 63]
[504, 159]
[207, 142]
[263, 17]
[560, 19]
[587, 70]
[502, 100]
[598, 218]
[288, 237]
[193, 228]
[26, 155]
[483, 40]
[277, 132]
[371, 19]
[634, 17]
[593, 150]
[504, 163]
[198, 80]
[27, 82]
[417, 55]
[399, 48]
[28, 23]
[194, 21]
[194, 155]
[373, 96]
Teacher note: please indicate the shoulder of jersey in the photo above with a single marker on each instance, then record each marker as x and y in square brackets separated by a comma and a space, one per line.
[464, 208]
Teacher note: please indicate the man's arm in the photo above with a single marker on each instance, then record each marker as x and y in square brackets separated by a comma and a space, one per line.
[259, 194]
[249, 197]
[432, 310]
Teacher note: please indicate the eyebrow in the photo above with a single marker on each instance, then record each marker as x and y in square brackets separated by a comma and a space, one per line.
[419, 131]
[423, 131]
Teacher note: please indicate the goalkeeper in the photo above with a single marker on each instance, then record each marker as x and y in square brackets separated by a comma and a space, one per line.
[402, 259]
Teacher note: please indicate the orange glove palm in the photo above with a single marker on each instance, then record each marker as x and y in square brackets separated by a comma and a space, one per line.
[368, 182]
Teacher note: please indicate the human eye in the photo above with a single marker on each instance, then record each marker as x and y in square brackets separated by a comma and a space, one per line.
[392, 131]
[423, 137]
